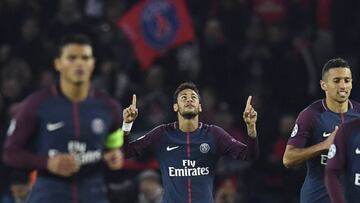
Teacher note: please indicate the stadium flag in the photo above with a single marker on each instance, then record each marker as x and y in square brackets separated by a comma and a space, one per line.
[155, 26]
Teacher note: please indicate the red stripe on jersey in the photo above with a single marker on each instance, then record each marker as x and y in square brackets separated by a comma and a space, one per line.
[74, 190]
[75, 197]
[76, 120]
[188, 144]
[342, 117]
[188, 156]
[189, 190]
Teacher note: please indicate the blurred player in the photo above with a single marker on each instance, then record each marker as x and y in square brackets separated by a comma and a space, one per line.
[61, 131]
[316, 126]
[188, 149]
[343, 160]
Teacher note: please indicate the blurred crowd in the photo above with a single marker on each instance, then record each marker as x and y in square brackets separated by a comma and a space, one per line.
[271, 49]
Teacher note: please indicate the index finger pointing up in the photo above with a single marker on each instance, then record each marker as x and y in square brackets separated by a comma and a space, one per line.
[248, 102]
[134, 100]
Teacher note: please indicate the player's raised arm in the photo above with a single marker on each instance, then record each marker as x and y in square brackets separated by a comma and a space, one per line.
[135, 147]
[250, 117]
[129, 115]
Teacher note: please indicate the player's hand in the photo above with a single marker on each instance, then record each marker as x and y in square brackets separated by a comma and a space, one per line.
[131, 112]
[63, 165]
[114, 159]
[328, 141]
[250, 117]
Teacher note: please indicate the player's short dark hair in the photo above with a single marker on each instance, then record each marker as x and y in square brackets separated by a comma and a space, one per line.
[334, 63]
[183, 86]
[73, 39]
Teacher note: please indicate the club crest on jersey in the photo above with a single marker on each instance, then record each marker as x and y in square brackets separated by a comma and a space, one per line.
[332, 151]
[204, 148]
[295, 130]
[98, 125]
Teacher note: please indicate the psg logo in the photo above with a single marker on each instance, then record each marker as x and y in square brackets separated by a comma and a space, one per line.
[98, 126]
[159, 23]
[204, 148]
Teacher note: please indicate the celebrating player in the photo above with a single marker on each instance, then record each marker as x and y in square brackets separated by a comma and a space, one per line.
[188, 149]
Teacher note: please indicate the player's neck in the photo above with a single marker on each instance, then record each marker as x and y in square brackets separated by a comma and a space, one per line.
[75, 92]
[188, 125]
[337, 107]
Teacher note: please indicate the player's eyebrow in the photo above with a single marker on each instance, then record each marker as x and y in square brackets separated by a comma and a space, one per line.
[342, 77]
[185, 94]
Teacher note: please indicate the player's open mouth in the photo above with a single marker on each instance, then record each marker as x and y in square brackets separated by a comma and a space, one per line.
[343, 93]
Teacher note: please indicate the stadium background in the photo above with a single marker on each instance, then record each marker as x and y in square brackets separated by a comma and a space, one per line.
[271, 49]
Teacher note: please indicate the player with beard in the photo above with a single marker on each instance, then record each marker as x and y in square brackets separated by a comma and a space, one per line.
[315, 129]
[188, 149]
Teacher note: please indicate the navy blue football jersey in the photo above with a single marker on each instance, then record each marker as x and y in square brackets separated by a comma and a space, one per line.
[313, 125]
[48, 123]
[188, 159]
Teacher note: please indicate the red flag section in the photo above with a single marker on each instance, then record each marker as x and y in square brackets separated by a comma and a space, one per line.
[154, 26]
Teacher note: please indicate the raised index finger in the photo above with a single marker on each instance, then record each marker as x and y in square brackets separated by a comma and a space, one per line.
[248, 102]
[134, 100]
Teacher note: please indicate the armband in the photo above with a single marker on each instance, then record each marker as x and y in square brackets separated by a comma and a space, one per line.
[115, 139]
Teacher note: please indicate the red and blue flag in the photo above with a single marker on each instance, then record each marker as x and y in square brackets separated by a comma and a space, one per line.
[155, 26]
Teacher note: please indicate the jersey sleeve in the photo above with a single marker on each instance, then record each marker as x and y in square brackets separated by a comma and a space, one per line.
[117, 113]
[144, 143]
[303, 129]
[21, 132]
[112, 105]
[227, 145]
[115, 137]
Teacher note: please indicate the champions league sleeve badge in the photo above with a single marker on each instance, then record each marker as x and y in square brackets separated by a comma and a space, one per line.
[332, 151]
[295, 130]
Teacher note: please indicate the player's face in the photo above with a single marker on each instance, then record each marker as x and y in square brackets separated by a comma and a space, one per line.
[188, 104]
[337, 84]
[76, 63]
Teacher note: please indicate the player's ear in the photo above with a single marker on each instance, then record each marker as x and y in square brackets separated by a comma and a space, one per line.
[57, 64]
[200, 108]
[323, 85]
[176, 107]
